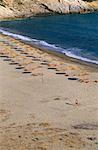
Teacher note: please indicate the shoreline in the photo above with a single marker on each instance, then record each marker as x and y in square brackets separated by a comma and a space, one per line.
[87, 65]
[67, 58]
[46, 15]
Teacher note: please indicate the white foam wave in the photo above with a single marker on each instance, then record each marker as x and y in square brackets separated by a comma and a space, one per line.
[28, 39]
[70, 54]
[47, 44]
[43, 44]
[17, 36]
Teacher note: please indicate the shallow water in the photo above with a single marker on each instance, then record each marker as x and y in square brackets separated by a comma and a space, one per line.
[76, 35]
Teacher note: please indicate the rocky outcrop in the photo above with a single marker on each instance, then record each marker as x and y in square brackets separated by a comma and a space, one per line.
[94, 4]
[27, 8]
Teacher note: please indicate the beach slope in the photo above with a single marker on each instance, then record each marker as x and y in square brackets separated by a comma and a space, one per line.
[45, 102]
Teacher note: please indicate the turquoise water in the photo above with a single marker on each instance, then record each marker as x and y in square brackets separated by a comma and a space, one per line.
[75, 35]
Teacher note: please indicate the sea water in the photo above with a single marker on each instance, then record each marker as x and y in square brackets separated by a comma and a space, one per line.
[75, 35]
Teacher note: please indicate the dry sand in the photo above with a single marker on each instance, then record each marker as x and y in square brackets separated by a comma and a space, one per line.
[46, 103]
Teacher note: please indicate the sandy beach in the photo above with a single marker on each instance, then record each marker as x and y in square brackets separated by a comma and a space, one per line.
[46, 102]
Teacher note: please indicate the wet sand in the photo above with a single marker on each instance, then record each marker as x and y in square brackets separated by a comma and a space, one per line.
[45, 102]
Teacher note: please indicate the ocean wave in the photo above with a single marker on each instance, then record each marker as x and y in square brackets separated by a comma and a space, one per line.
[45, 45]
[27, 39]
[17, 36]
[70, 54]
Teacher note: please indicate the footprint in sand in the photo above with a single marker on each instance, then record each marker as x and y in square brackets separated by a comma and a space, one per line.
[4, 115]
[44, 124]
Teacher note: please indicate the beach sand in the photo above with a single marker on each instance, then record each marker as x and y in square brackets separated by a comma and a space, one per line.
[46, 103]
